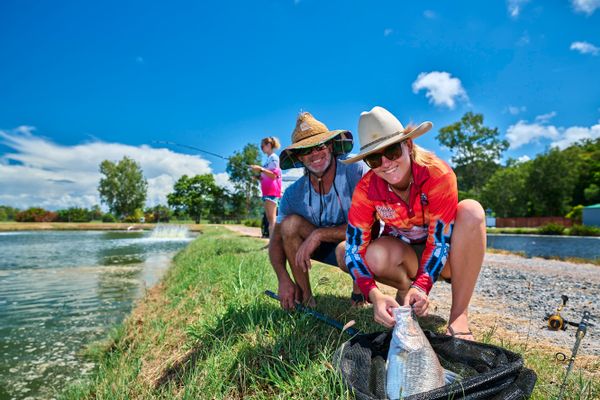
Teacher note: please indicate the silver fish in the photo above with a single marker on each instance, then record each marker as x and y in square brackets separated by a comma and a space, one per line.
[412, 365]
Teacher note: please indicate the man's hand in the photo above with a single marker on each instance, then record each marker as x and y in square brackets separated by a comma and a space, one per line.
[289, 294]
[306, 249]
[418, 300]
[382, 308]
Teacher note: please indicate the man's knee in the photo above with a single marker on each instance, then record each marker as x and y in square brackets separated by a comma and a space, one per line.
[290, 226]
[471, 213]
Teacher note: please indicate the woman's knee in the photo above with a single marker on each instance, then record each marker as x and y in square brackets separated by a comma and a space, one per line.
[471, 213]
[382, 254]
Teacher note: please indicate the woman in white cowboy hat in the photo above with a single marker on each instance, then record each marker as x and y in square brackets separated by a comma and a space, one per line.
[426, 232]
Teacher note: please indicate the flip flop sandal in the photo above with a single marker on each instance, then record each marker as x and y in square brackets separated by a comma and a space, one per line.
[459, 334]
[357, 299]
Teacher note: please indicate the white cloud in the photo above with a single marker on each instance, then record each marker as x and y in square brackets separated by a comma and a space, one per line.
[441, 88]
[523, 133]
[585, 48]
[39, 172]
[514, 110]
[429, 14]
[387, 32]
[545, 118]
[575, 134]
[515, 7]
[524, 40]
[523, 159]
[586, 6]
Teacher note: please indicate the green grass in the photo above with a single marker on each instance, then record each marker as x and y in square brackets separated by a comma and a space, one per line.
[209, 332]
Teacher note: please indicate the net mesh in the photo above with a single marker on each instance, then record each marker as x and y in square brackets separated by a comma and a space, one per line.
[487, 371]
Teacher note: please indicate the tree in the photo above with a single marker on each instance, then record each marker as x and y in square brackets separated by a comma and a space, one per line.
[242, 177]
[123, 187]
[505, 192]
[158, 213]
[550, 183]
[194, 195]
[476, 150]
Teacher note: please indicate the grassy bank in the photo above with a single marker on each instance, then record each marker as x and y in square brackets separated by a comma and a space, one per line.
[82, 226]
[208, 332]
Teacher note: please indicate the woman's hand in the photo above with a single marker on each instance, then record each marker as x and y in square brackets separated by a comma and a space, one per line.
[382, 307]
[256, 168]
[419, 301]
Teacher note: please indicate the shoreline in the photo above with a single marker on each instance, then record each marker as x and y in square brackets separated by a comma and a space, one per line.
[180, 329]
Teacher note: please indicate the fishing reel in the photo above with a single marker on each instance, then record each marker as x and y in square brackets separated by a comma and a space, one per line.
[555, 321]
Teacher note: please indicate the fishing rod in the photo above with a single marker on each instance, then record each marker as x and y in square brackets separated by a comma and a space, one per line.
[190, 147]
[581, 331]
[321, 317]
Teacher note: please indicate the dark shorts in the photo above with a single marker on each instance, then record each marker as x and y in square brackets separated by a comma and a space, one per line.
[419, 249]
[325, 253]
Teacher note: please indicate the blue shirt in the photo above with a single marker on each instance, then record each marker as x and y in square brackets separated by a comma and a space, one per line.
[302, 199]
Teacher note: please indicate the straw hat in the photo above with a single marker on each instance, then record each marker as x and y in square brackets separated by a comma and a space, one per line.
[379, 128]
[310, 132]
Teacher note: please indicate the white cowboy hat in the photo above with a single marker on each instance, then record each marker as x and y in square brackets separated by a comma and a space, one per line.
[379, 128]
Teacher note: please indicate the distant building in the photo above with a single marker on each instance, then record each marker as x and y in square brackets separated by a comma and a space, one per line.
[591, 215]
[490, 220]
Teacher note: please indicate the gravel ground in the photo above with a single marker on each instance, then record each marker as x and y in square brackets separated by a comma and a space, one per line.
[514, 294]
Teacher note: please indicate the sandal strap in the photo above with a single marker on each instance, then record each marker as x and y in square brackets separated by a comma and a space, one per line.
[452, 333]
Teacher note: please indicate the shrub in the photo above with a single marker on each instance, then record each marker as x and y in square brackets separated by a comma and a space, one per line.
[36, 214]
[108, 217]
[136, 217]
[551, 229]
[584, 230]
[75, 214]
[576, 214]
[255, 223]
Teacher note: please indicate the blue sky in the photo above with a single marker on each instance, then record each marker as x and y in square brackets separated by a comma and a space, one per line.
[81, 82]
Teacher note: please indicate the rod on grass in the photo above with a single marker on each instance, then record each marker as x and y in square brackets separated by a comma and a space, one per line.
[321, 317]
[581, 331]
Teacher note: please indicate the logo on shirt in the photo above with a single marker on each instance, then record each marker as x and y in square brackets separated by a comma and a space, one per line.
[386, 212]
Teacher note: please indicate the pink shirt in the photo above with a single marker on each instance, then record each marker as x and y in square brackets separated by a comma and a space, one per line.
[268, 185]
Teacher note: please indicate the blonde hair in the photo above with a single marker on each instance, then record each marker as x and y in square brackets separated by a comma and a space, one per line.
[418, 154]
[421, 156]
[272, 140]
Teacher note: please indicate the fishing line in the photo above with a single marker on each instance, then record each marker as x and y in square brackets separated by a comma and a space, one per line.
[190, 147]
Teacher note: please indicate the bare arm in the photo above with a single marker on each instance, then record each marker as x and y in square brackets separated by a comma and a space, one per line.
[288, 292]
[268, 172]
[334, 234]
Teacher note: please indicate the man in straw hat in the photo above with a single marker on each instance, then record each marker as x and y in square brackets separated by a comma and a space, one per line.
[313, 211]
[415, 195]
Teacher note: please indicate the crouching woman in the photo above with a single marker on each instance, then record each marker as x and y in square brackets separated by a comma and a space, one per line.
[425, 234]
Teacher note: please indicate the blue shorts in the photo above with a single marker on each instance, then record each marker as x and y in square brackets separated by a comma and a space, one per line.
[274, 199]
[325, 253]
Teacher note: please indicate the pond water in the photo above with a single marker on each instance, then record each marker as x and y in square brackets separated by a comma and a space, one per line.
[547, 246]
[62, 290]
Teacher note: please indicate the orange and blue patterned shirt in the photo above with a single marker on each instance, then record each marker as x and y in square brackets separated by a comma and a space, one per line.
[427, 218]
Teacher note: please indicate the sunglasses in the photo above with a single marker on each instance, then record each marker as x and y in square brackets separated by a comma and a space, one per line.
[308, 150]
[392, 152]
